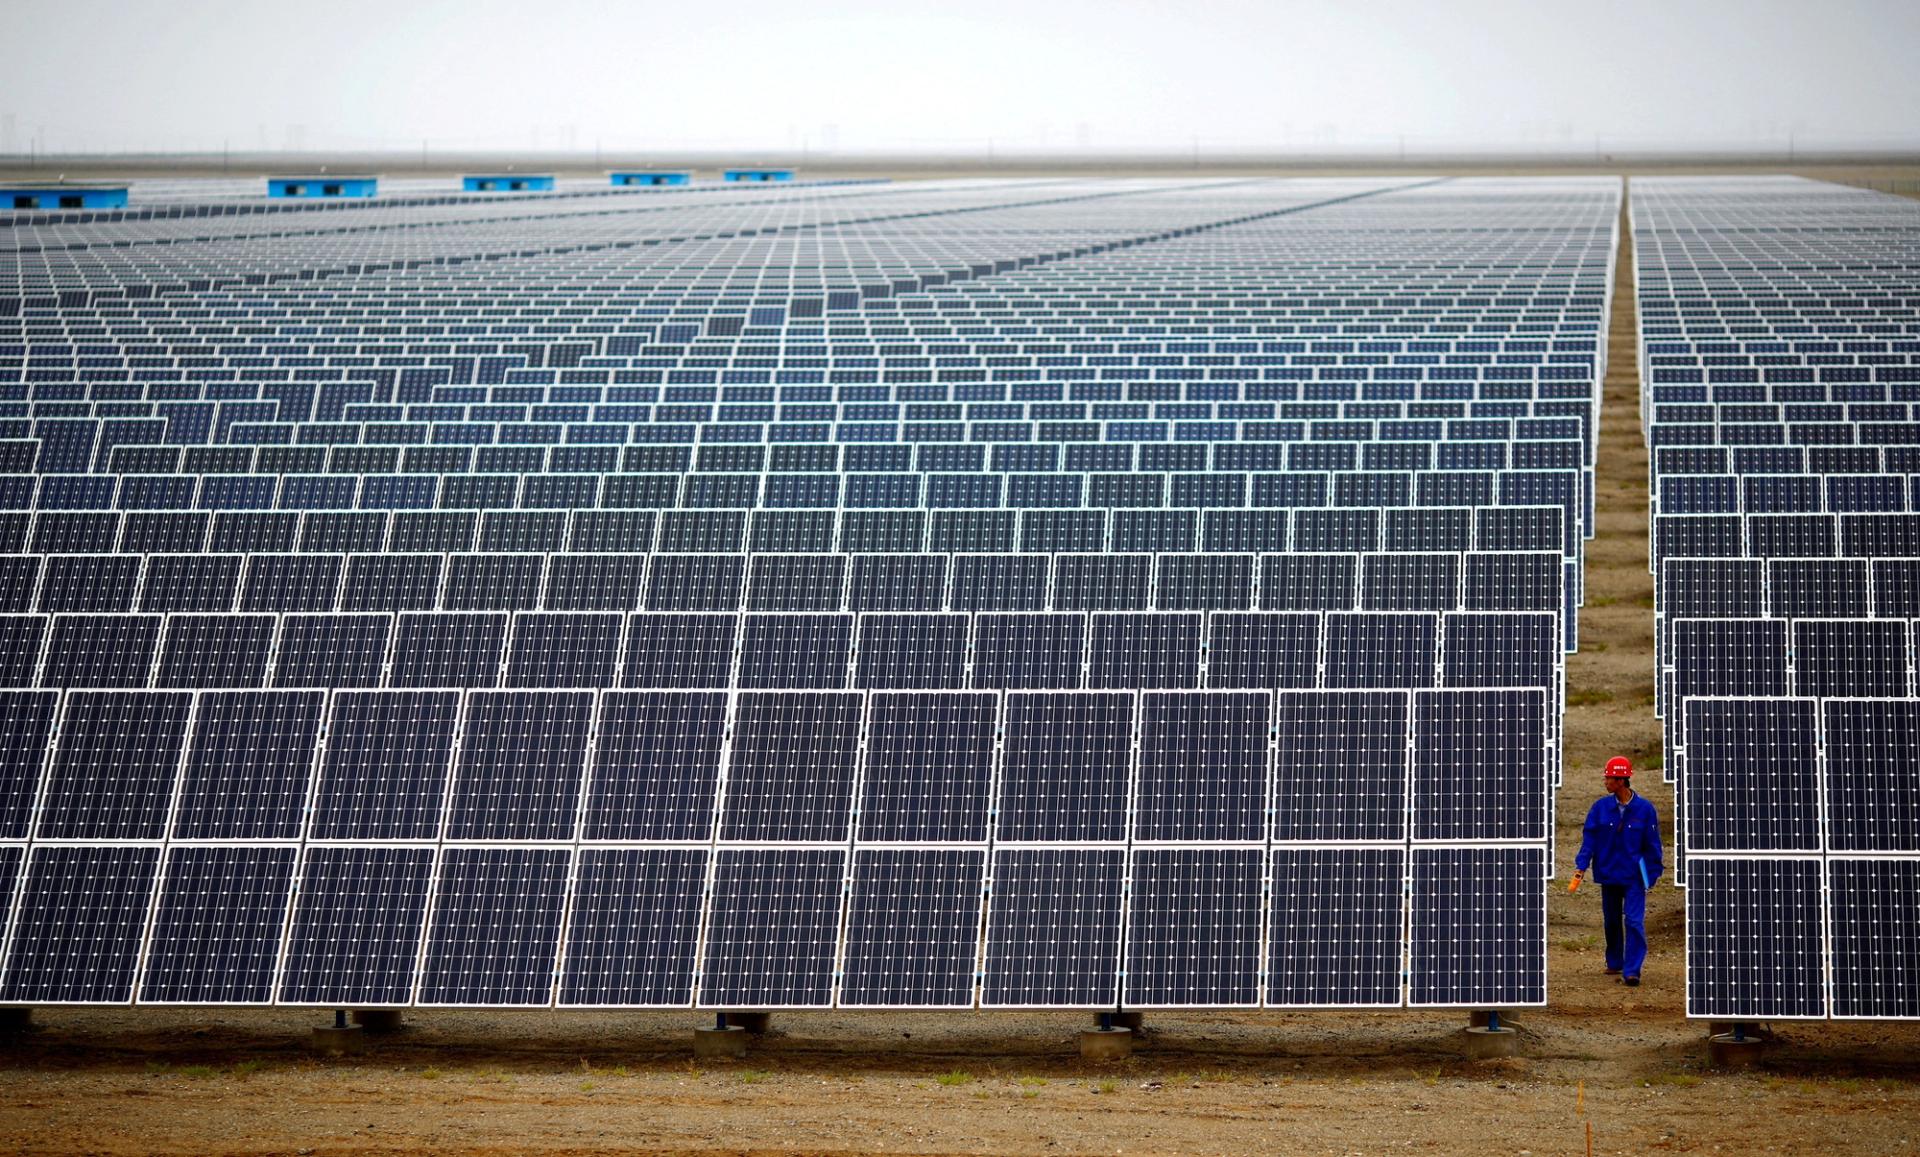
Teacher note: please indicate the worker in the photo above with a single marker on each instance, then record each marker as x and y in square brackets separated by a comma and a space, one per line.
[1622, 842]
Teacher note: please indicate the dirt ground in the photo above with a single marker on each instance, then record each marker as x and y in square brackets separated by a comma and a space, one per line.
[1624, 1062]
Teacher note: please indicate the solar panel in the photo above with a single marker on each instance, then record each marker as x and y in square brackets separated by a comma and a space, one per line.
[1203, 767]
[1065, 768]
[495, 927]
[927, 775]
[1193, 926]
[359, 914]
[1735, 974]
[1334, 927]
[217, 924]
[913, 927]
[77, 924]
[633, 927]
[1477, 917]
[1053, 928]
[772, 928]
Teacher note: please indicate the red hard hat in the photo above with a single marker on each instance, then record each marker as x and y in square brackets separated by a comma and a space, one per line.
[1619, 767]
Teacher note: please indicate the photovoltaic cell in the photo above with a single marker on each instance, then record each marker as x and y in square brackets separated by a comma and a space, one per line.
[384, 771]
[1752, 775]
[656, 762]
[1029, 652]
[78, 923]
[1065, 766]
[790, 777]
[26, 719]
[249, 765]
[1480, 766]
[1872, 765]
[1203, 767]
[115, 765]
[522, 755]
[1875, 922]
[1193, 926]
[1263, 650]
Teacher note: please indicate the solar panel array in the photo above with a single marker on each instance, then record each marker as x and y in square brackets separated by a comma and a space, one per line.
[1780, 329]
[965, 593]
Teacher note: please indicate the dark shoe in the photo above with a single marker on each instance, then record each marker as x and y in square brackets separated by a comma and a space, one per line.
[1613, 972]
[1631, 981]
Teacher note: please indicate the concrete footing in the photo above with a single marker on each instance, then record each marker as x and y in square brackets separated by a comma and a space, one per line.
[15, 1020]
[1728, 1051]
[756, 1023]
[1726, 1027]
[728, 1044]
[1137, 1021]
[378, 1020]
[339, 1040]
[1485, 1017]
[1106, 1044]
[1484, 1043]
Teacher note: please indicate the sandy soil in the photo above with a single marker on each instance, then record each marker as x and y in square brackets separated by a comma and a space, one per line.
[1623, 1061]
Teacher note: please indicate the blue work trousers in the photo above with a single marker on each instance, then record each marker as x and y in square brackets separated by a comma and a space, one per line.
[1625, 909]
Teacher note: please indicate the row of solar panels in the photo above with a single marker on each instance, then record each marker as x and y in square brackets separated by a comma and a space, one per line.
[1846, 459]
[779, 766]
[500, 527]
[1063, 927]
[1774, 795]
[1144, 649]
[71, 450]
[1787, 494]
[1785, 536]
[1341, 507]
[198, 423]
[621, 580]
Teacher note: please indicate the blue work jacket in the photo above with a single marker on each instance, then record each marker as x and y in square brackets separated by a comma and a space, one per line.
[1616, 845]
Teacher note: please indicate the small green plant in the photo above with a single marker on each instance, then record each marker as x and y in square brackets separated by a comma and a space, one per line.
[429, 1074]
[621, 1071]
[197, 1072]
[954, 1079]
[159, 1068]
[1032, 1082]
[1675, 1080]
[245, 1069]
[753, 1076]
[1107, 1086]
[1588, 698]
[586, 1086]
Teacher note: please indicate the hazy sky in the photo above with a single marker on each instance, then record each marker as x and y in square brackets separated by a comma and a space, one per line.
[889, 74]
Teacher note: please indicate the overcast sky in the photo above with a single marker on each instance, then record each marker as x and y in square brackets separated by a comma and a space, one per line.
[861, 75]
